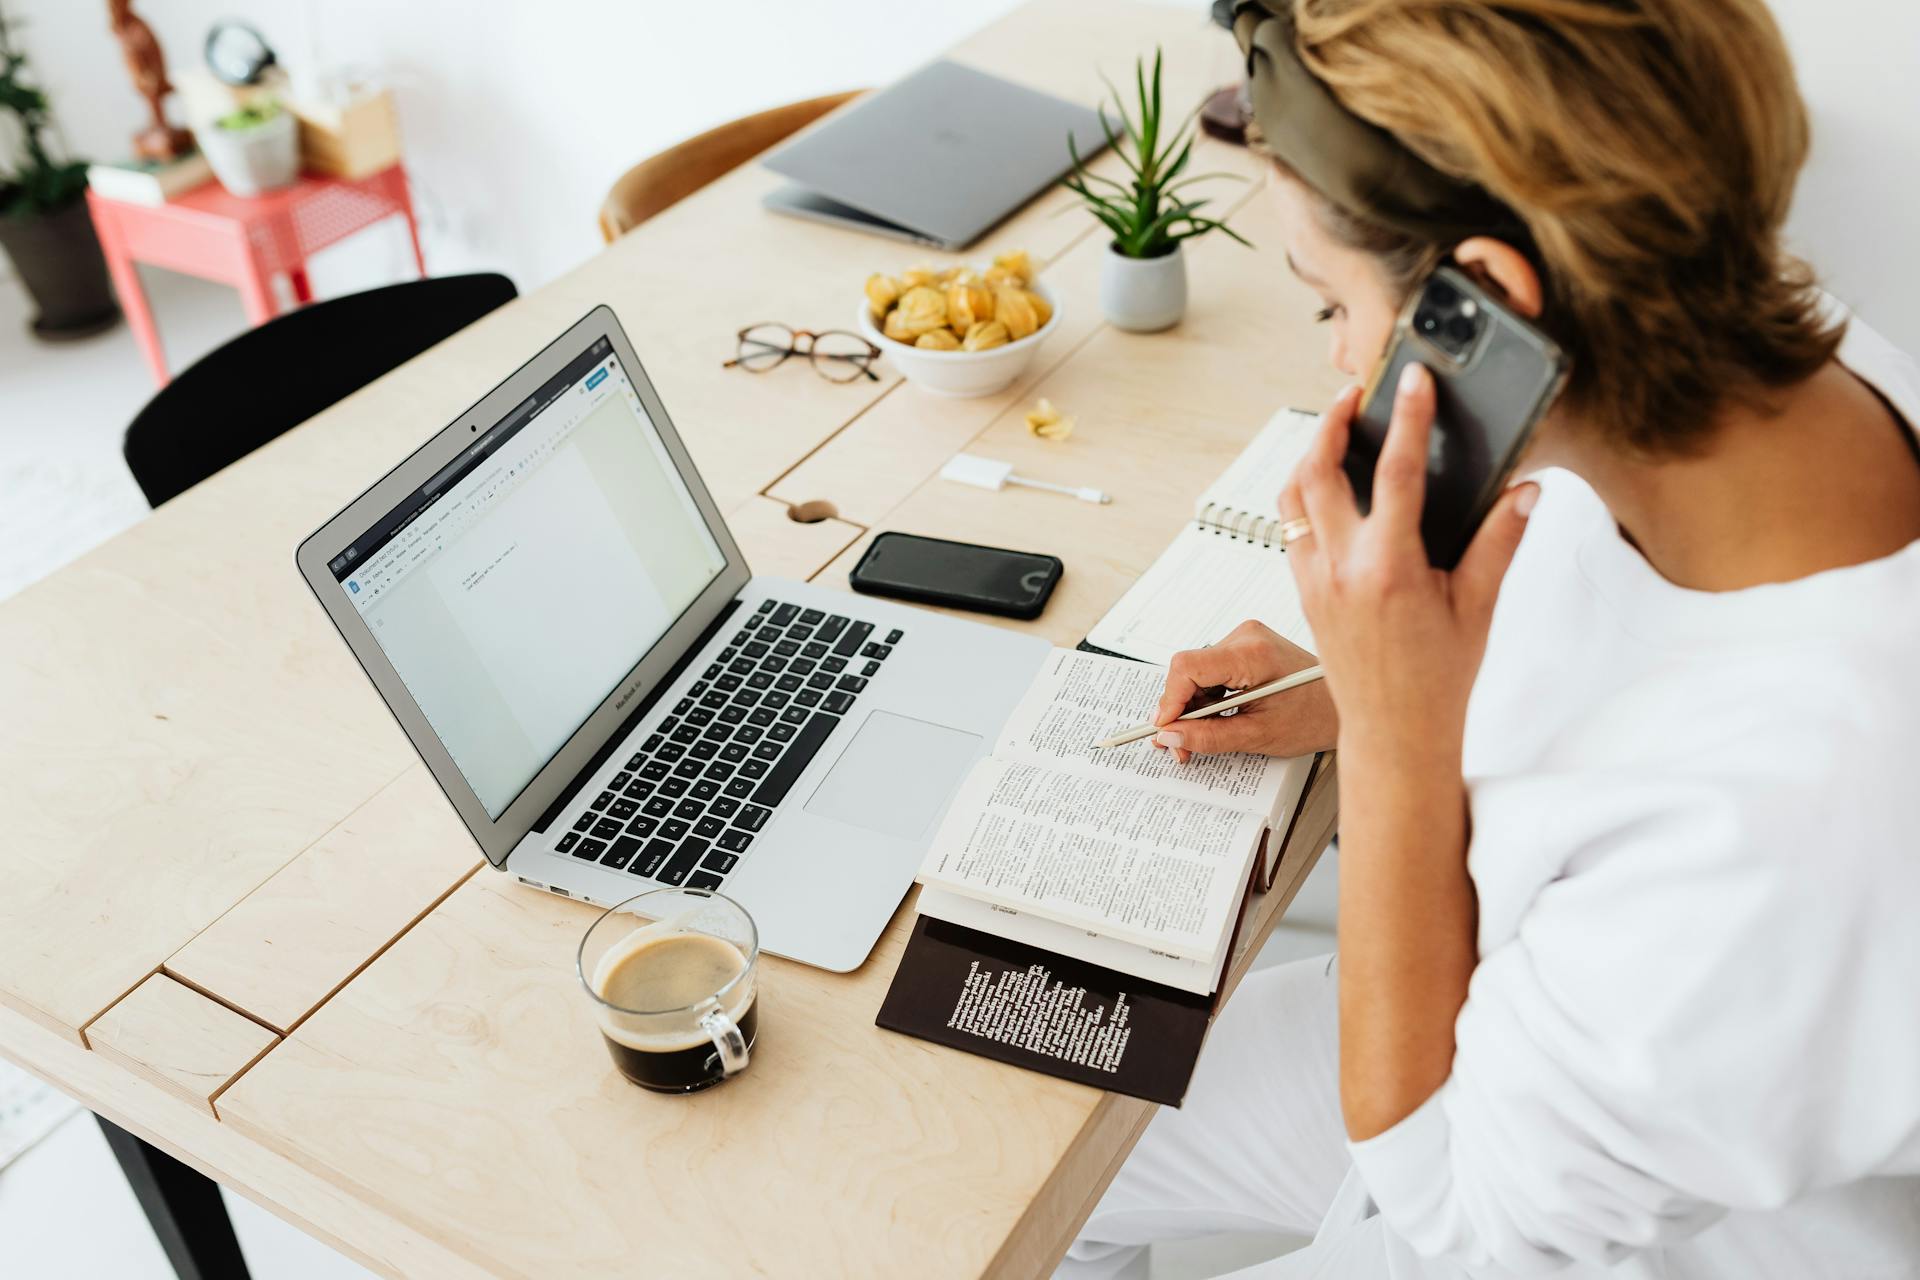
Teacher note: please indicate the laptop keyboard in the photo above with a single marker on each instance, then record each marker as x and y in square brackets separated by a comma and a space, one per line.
[690, 801]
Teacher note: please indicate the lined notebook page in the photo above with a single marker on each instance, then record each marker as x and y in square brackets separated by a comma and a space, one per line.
[1246, 493]
[1227, 567]
[1203, 586]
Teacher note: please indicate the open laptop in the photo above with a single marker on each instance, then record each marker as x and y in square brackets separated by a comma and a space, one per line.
[552, 606]
[937, 158]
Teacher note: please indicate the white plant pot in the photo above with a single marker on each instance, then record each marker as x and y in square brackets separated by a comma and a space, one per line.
[250, 161]
[1143, 295]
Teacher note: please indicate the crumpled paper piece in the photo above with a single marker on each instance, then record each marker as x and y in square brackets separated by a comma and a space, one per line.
[1047, 422]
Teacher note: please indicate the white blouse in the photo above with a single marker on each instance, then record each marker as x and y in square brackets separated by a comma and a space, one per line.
[1692, 1044]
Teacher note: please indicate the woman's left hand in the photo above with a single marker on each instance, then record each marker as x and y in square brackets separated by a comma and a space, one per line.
[1400, 640]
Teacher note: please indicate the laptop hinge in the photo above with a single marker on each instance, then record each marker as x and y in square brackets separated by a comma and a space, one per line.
[634, 717]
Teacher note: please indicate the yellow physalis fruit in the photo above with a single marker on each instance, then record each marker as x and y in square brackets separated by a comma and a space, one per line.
[882, 292]
[998, 278]
[1012, 308]
[1042, 309]
[952, 274]
[916, 277]
[897, 328]
[968, 304]
[938, 340]
[1047, 422]
[987, 334]
[1017, 264]
[921, 309]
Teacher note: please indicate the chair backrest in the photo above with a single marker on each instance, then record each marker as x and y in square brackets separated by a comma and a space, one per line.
[273, 378]
[679, 171]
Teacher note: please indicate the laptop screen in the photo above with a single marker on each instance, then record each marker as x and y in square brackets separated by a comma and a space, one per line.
[516, 588]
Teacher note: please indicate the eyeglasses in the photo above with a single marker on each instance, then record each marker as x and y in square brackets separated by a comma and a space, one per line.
[836, 355]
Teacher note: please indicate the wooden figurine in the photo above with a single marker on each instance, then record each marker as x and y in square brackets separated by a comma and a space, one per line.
[148, 66]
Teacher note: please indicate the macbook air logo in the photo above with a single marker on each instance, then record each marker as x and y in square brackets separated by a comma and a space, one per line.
[626, 697]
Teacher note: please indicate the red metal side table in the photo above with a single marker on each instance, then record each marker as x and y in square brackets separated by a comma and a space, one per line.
[240, 241]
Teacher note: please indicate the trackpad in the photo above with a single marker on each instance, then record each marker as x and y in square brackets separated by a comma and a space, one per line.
[897, 775]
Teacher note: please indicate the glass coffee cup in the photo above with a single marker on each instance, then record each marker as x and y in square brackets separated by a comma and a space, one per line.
[672, 976]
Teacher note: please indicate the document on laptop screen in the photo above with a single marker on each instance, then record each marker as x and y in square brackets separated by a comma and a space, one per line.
[519, 586]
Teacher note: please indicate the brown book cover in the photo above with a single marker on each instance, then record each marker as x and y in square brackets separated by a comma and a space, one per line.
[1051, 1013]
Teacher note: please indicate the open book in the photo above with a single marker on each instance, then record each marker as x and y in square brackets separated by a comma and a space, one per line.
[1121, 857]
[1225, 567]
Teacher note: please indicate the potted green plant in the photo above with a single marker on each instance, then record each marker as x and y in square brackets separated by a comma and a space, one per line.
[253, 149]
[44, 225]
[1143, 283]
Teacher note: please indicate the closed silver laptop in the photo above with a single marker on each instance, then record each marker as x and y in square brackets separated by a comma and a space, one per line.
[938, 158]
[553, 608]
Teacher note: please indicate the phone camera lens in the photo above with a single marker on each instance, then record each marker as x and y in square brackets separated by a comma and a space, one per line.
[1460, 331]
[1427, 320]
[1442, 295]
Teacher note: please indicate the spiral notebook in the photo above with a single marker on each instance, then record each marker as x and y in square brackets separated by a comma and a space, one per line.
[1225, 567]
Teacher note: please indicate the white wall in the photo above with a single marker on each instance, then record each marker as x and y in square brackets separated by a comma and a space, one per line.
[1856, 215]
[517, 115]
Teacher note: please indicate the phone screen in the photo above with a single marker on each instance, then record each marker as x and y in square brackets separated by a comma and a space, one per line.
[959, 571]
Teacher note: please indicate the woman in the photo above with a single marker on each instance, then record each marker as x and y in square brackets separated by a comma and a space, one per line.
[1629, 973]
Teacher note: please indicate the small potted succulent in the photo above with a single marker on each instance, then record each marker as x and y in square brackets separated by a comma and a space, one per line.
[1143, 283]
[254, 149]
[44, 225]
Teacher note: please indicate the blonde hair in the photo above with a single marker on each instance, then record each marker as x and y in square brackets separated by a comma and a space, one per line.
[1650, 147]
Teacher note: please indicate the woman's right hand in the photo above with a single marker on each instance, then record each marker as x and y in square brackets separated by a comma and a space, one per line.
[1295, 723]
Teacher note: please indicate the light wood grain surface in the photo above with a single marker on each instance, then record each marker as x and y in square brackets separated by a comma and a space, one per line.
[200, 780]
[183, 719]
[293, 941]
[867, 1141]
[1159, 416]
[179, 1039]
[192, 1135]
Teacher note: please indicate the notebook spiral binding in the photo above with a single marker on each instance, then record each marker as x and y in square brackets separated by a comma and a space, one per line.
[1239, 525]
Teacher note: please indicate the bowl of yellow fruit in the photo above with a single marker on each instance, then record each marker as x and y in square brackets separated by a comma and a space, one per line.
[961, 331]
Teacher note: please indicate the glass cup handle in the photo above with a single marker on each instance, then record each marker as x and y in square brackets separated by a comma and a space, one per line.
[727, 1039]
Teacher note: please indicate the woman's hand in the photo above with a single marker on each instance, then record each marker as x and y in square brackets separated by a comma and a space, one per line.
[1401, 641]
[1295, 723]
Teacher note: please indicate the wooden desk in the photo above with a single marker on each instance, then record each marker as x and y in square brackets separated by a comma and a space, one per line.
[242, 927]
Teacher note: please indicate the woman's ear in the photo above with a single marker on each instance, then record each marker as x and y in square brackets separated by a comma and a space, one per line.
[1497, 263]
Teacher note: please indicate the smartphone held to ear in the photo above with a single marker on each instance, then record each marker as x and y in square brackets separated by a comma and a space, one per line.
[1494, 377]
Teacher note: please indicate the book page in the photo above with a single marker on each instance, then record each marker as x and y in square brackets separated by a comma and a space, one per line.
[1064, 939]
[1155, 870]
[1251, 485]
[1080, 698]
[1203, 586]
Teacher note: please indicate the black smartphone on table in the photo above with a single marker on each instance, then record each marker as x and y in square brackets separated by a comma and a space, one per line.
[963, 575]
[1494, 375]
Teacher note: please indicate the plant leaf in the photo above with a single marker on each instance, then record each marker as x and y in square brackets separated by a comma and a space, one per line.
[1192, 178]
[1081, 170]
[1106, 127]
[1149, 118]
[1203, 225]
[1120, 105]
[1179, 212]
[1179, 161]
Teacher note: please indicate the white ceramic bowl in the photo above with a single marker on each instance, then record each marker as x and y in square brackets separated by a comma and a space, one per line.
[964, 373]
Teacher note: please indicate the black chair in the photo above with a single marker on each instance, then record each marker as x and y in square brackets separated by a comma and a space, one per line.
[271, 379]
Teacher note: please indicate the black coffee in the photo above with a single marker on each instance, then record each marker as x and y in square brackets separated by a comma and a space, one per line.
[679, 1070]
[671, 1053]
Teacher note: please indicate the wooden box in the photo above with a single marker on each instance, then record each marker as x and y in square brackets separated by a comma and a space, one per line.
[352, 137]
